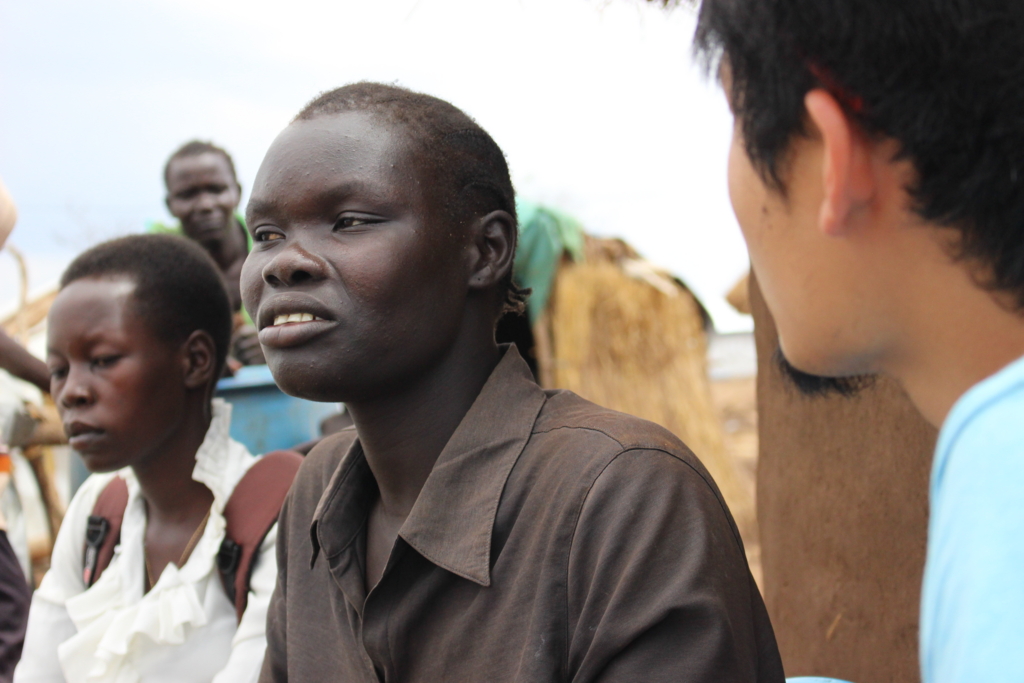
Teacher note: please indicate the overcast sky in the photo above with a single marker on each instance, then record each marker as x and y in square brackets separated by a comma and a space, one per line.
[597, 104]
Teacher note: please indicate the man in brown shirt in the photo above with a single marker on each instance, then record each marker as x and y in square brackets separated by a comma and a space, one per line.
[554, 540]
[471, 526]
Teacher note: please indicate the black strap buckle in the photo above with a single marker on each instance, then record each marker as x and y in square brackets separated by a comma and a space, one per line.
[228, 558]
[95, 533]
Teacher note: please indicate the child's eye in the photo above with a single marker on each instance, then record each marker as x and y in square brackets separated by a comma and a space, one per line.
[267, 236]
[104, 361]
[58, 373]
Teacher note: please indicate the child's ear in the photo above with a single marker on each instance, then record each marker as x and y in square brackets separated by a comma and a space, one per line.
[200, 359]
[494, 249]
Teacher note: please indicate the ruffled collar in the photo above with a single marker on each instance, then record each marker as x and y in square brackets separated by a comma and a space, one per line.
[112, 613]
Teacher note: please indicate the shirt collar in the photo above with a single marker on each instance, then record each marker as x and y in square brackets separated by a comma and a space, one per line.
[452, 521]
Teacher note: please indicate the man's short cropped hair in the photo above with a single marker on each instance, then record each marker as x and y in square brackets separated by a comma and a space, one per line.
[942, 78]
[178, 288]
[470, 167]
[194, 148]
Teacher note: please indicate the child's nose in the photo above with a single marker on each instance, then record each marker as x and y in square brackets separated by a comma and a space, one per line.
[76, 391]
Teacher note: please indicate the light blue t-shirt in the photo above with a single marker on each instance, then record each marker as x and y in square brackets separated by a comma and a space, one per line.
[972, 603]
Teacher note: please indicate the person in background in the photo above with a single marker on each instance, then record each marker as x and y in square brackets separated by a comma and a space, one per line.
[137, 338]
[203, 194]
[13, 357]
[15, 593]
[877, 176]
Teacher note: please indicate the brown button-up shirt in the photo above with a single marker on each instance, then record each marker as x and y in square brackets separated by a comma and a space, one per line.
[554, 540]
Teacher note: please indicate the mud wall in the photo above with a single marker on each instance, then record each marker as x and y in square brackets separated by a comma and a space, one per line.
[842, 491]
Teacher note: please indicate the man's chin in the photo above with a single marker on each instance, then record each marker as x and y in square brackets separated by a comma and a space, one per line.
[817, 385]
[303, 380]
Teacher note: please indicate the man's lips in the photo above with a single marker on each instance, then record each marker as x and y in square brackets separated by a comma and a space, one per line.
[292, 333]
[209, 224]
[291, 307]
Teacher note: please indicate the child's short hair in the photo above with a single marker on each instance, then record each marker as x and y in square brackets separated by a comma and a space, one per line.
[470, 167]
[943, 78]
[178, 288]
[194, 148]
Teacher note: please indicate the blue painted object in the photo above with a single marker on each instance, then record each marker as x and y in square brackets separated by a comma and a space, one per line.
[264, 418]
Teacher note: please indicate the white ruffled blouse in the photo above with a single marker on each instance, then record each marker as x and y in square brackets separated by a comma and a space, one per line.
[184, 628]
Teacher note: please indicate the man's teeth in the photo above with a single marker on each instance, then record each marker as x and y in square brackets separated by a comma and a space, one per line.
[295, 318]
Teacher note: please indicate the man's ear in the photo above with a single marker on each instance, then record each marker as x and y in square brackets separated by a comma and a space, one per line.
[848, 180]
[494, 249]
[199, 355]
[167, 203]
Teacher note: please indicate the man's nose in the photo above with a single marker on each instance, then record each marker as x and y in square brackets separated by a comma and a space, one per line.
[206, 201]
[295, 264]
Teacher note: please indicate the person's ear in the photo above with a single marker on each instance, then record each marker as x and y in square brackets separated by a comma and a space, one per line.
[494, 249]
[848, 180]
[167, 203]
[199, 356]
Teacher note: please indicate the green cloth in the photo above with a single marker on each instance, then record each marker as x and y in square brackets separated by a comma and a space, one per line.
[544, 236]
[159, 228]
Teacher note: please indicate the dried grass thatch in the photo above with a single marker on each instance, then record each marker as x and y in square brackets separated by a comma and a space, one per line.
[739, 296]
[29, 317]
[626, 336]
[30, 314]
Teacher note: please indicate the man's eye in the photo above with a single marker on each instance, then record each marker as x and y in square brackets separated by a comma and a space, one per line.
[351, 222]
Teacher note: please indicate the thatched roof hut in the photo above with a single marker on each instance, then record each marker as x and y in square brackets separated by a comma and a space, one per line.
[620, 332]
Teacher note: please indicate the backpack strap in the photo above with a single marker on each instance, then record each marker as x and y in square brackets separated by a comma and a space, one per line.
[250, 512]
[103, 531]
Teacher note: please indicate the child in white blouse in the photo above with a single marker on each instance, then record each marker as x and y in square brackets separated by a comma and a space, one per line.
[138, 337]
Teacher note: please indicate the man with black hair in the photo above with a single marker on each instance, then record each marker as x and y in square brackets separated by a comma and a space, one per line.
[471, 526]
[876, 174]
[203, 194]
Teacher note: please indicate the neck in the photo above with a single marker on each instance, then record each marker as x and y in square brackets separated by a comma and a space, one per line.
[165, 477]
[955, 334]
[231, 249]
[403, 434]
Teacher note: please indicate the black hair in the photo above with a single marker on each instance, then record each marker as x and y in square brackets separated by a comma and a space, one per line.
[817, 385]
[942, 78]
[470, 167]
[178, 288]
[194, 148]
